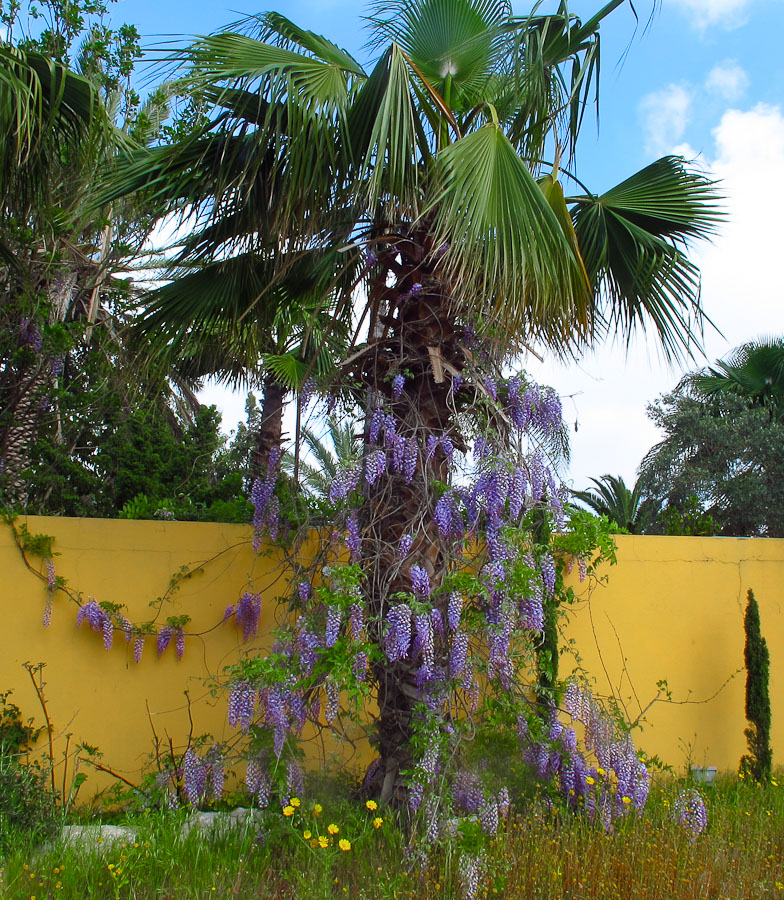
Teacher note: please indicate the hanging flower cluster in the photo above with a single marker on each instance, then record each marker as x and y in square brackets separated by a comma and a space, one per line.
[266, 507]
[605, 788]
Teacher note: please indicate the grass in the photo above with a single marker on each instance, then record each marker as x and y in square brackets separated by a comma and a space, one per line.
[538, 855]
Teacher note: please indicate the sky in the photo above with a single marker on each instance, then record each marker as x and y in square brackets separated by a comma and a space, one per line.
[700, 78]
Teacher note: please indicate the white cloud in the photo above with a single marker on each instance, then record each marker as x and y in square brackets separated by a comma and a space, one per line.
[703, 13]
[665, 115]
[741, 290]
[728, 80]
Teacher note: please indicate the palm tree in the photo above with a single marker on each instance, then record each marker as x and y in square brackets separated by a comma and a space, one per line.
[612, 498]
[339, 447]
[754, 372]
[429, 173]
[210, 322]
[48, 115]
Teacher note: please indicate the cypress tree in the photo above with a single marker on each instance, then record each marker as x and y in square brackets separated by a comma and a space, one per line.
[757, 763]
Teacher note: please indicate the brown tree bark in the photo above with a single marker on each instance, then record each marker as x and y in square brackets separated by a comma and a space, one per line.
[268, 437]
[411, 333]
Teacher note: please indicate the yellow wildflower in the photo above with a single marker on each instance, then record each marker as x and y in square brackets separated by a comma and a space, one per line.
[295, 802]
[288, 810]
[332, 828]
[307, 835]
[378, 822]
[590, 779]
[626, 800]
[774, 782]
[371, 804]
[601, 771]
[344, 844]
[323, 842]
[318, 809]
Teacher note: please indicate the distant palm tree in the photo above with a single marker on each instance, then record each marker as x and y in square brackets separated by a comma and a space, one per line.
[754, 372]
[628, 508]
[342, 444]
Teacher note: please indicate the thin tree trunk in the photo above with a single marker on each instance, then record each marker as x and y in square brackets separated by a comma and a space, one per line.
[20, 433]
[269, 435]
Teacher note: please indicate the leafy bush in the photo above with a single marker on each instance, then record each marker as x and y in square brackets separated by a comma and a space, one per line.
[26, 806]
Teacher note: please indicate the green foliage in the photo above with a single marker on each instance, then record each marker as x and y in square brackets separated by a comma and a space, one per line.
[631, 510]
[138, 464]
[26, 805]
[725, 453]
[757, 764]
[687, 519]
[16, 735]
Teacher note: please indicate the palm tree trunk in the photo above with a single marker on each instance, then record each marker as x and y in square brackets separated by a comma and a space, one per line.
[21, 429]
[268, 436]
[418, 337]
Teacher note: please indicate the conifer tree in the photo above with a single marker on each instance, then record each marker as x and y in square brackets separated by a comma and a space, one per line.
[757, 762]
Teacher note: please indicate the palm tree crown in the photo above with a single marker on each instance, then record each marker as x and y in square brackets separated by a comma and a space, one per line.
[628, 508]
[754, 372]
[439, 150]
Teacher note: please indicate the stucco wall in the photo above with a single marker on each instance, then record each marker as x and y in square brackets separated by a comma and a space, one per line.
[671, 609]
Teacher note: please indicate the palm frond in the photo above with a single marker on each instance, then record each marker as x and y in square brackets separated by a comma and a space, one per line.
[632, 238]
[507, 251]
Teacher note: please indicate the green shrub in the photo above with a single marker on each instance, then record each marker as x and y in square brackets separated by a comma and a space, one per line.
[26, 806]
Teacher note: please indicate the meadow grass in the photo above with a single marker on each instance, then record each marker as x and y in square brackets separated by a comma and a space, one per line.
[539, 854]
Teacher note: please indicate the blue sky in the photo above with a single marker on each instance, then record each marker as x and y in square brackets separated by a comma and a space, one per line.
[705, 78]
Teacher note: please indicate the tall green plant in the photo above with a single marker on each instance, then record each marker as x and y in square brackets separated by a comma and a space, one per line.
[758, 761]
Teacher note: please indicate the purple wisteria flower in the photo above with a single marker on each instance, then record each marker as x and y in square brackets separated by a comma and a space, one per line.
[195, 777]
[548, 572]
[457, 658]
[471, 868]
[398, 383]
[307, 392]
[304, 591]
[138, 648]
[333, 701]
[360, 665]
[376, 424]
[416, 791]
[356, 619]
[398, 636]
[410, 454]
[345, 482]
[353, 538]
[334, 619]
[689, 811]
[98, 619]
[420, 581]
[453, 611]
[375, 466]
[242, 702]
[246, 614]
[404, 547]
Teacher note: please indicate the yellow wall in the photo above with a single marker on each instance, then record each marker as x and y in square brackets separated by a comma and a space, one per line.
[672, 609]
